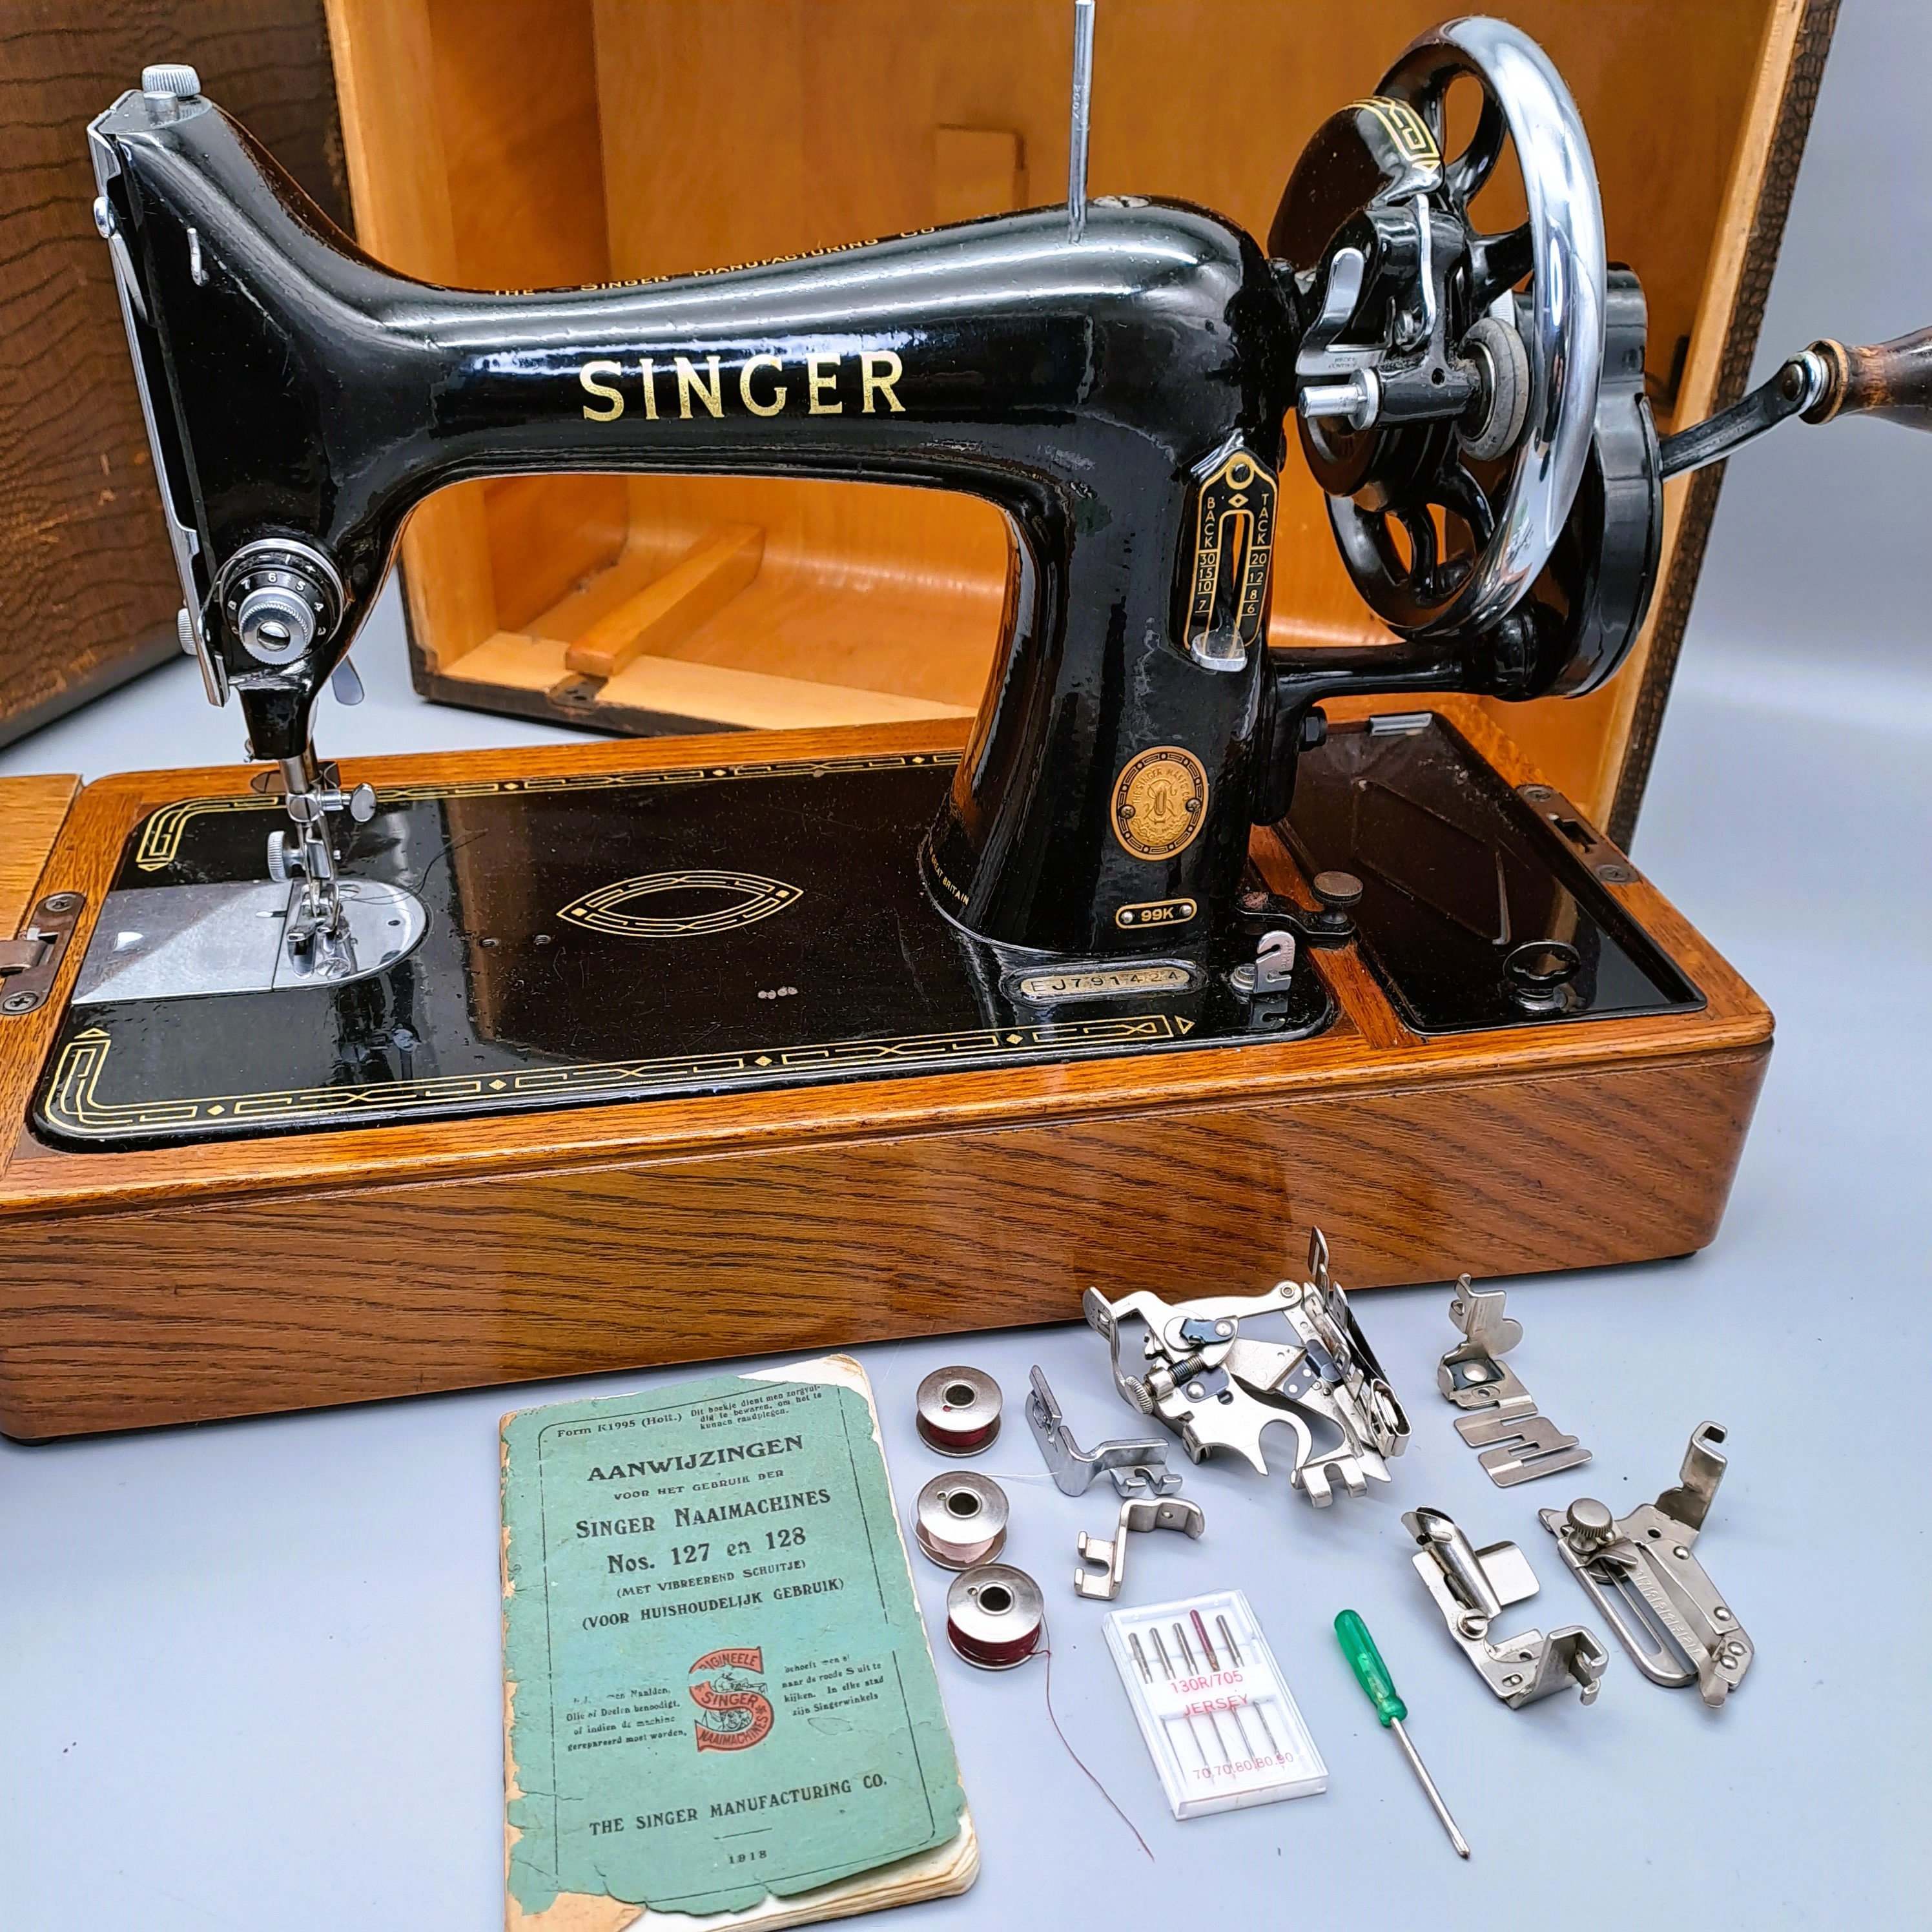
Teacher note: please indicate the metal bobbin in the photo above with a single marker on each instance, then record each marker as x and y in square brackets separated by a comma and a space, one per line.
[960, 1520]
[959, 1411]
[995, 1617]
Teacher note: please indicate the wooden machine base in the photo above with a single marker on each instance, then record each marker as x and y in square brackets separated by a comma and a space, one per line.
[321, 1267]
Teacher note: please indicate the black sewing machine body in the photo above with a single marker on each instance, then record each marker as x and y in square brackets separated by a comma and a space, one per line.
[1116, 379]
[925, 1023]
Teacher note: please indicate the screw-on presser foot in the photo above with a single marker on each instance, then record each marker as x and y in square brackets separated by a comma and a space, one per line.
[317, 933]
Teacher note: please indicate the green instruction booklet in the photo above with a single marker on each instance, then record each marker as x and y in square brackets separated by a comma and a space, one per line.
[718, 1691]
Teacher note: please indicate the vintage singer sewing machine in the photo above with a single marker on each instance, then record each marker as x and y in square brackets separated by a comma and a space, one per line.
[330, 1083]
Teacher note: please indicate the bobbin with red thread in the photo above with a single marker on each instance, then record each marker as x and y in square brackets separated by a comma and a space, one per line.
[995, 1616]
[960, 1520]
[959, 1411]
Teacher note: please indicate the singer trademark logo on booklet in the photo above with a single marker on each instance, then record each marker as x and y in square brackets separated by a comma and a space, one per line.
[738, 1714]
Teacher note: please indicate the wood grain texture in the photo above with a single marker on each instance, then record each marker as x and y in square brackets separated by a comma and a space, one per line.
[32, 810]
[668, 609]
[746, 129]
[88, 590]
[153, 1287]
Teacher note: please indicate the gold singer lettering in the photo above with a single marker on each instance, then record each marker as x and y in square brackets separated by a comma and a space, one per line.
[588, 375]
[817, 384]
[751, 403]
[881, 385]
[762, 387]
[690, 382]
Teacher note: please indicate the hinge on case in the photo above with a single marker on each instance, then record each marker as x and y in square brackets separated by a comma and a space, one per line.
[1653, 1593]
[28, 963]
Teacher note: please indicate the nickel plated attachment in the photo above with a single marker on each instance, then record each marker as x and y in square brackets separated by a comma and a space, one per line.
[1103, 1562]
[1472, 1588]
[1518, 1444]
[1218, 1388]
[1138, 1465]
[1654, 1594]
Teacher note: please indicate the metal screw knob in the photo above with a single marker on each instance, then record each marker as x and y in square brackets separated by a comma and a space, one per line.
[362, 804]
[1337, 894]
[275, 623]
[170, 80]
[1591, 1523]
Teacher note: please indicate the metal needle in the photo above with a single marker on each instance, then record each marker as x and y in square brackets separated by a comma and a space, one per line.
[1193, 1729]
[1083, 98]
[1234, 1650]
[1214, 1721]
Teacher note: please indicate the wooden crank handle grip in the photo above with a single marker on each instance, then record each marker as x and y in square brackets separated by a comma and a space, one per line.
[1893, 380]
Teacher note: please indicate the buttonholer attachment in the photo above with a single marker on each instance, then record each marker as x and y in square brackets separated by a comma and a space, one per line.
[1217, 1388]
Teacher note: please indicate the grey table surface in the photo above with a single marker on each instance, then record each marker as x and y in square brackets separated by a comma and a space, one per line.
[250, 1674]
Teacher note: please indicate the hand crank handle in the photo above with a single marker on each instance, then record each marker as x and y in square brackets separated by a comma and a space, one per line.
[1892, 379]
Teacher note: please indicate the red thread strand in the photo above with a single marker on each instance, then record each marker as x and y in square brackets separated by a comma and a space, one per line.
[1046, 1651]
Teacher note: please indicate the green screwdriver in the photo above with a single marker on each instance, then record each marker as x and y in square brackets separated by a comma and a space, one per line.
[1371, 1674]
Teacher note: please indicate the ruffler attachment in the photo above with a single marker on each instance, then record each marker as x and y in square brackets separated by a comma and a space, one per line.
[1217, 1388]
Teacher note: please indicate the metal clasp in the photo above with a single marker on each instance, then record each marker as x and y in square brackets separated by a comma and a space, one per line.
[29, 963]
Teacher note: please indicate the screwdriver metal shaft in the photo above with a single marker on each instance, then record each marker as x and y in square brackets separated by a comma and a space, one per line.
[1373, 1675]
[1428, 1783]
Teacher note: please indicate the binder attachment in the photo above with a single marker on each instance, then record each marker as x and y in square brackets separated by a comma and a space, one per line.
[1472, 1588]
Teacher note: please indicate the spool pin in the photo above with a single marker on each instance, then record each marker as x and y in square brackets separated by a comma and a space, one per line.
[960, 1520]
[995, 1616]
[959, 1411]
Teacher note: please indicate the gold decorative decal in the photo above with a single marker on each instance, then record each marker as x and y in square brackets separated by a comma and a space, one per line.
[161, 831]
[1160, 801]
[1233, 546]
[73, 1106]
[1405, 128]
[1155, 912]
[755, 898]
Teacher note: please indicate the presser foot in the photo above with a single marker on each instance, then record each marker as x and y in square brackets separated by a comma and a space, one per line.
[318, 933]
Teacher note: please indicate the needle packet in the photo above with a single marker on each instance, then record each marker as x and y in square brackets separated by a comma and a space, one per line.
[1221, 1725]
